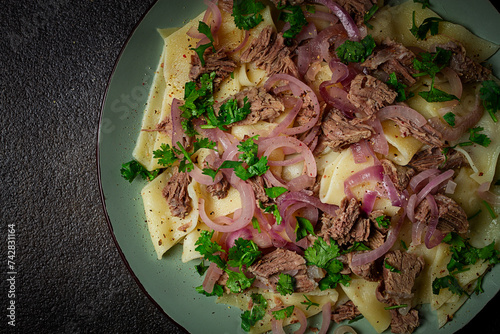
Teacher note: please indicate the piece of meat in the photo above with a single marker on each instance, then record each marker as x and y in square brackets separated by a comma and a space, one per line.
[451, 216]
[433, 157]
[466, 68]
[263, 105]
[426, 134]
[281, 260]
[369, 94]
[399, 175]
[346, 311]
[392, 57]
[220, 189]
[376, 238]
[404, 324]
[399, 273]
[339, 132]
[217, 62]
[176, 194]
[357, 8]
[369, 271]
[258, 185]
[270, 53]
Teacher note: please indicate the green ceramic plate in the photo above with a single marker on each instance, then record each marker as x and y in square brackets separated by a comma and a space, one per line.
[169, 282]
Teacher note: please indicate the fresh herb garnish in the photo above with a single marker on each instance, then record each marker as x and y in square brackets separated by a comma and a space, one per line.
[207, 248]
[356, 52]
[274, 192]
[283, 313]
[130, 170]
[217, 291]
[238, 281]
[369, 14]
[490, 94]
[449, 282]
[383, 221]
[167, 155]
[303, 228]
[200, 50]
[356, 246]
[395, 307]
[229, 113]
[479, 288]
[255, 224]
[429, 24]
[246, 13]
[425, 3]
[286, 284]
[258, 311]
[243, 253]
[272, 209]
[391, 268]
[293, 15]
[492, 212]
[437, 95]
[449, 117]
[477, 138]
[201, 268]
[399, 88]
[308, 303]
[403, 245]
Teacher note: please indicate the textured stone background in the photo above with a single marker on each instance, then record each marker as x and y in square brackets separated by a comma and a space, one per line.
[55, 59]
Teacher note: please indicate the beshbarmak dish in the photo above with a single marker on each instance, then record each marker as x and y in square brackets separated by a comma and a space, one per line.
[324, 156]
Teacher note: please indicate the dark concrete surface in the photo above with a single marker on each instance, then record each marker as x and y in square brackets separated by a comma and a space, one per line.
[55, 60]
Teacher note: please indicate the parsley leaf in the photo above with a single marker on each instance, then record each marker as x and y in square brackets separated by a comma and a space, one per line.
[398, 87]
[243, 253]
[369, 14]
[283, 313]
[246, 13]
[274, 192]
[285, 285]
[449, 117]
[130, 170]
[477, 138]
[217, 291]
[256, 225]
[273, 209]
[490, 94]
[479, 289]
[391, 268]
[295, 16]
[356, 246]
[309, 303]
[200, 50]
[356, 52]
[449, 282]
[429, 24]
[383, 221]
[432, 63]
[320, 253]
[425, 3]
[303, 228]
[237, 281]
[258, 311]
[332, 280]
[229, 113]
[166, 155]
[207, 248]
[437, 95]
[201, 268]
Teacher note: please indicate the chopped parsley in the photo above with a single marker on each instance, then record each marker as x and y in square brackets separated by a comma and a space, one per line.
[477, 138]
[255, 224]
[391, 268]
[356, 246]
[285, 285]
[356, 52]
[308, 303]
[201, 268]
[490, 210]
[449, 117]
[293, 15]
[229, 113]
[399, 88]
[207, 248]
[217, 291]
[403, 245]
[274, 192]
[283, 313]
[130, 170]
[167, 155]
[425, 3]
[383, 221]
[200, 50]
[238, 281]
[369, 14]
[437, 95]
[246, 13]
[272, 209]
[258, 311]
[243, 253]
[490, 94]
[303, 228]
[430, 24]
[395, 307]
[449, 282]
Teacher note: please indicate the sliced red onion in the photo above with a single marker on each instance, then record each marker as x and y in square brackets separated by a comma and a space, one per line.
[369, 201]
[361, 152]
[417, 230]
[323, 16]
[277, 326]
[456, 87]
[302, 320]
[484, 193]
[416, 182]
[277, 240]
[410, 207]
[360, 259]
[309, 138]
[433, 237]
[434, 184]
[340, 71]
[307, 32]
[212, 276]
[402, 111]
[344, 17]
[198, 176]
[326, 317]
[450, 187]
[336, 97]
[378, 140]
[291, 197]
[242, 44]
[216, 17]
[288, 120]
[243, 233]
[392, 192]
[372, 173]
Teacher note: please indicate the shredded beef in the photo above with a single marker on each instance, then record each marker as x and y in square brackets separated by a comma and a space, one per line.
[426, 134]
[369, 271]
[467, 69]
[263, 106]
[433, 157]
[452, 218]
[217, 62]
[258, 185]
[357, 8]
[370, 94]
[376, 239]
[270, 53]
[176, 194]
[397, 285]
[226, 5]
[339, 132]
[346, 311]
[220, 189]
[404, 323]
[281, 260]
[393, 57]
[399, 175]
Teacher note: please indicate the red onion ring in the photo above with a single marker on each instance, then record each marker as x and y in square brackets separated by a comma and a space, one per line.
[242, 44]
[369, 201]
[277, 326]
[340, 71]
[198, 176]
[212, 276]
[307, 32]
[392, 192]
[337, 98]
[293, 197]
[302, 320]
[416, 182]
[433, 237]
[372, 173]
[410, 207]
[402, 111]
[243, 233]
[456, 87]
[323, 16]
[434, 184]
[344, 17]
[288, 120]
[378, 139]
[361, 152]
[326, 317]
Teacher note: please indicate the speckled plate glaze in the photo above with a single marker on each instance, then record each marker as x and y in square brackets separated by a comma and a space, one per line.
[169, 282]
